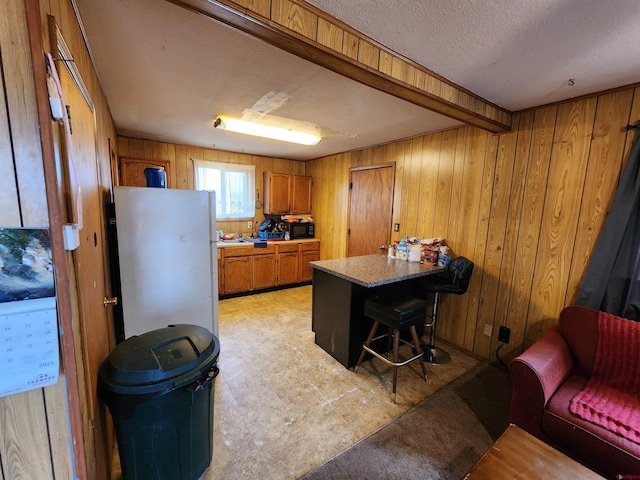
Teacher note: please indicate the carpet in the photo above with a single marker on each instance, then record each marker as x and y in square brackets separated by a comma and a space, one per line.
[440, 438]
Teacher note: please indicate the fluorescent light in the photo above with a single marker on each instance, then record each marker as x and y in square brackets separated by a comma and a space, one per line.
[266, 131]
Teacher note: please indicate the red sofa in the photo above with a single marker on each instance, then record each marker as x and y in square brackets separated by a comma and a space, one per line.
[545, 378]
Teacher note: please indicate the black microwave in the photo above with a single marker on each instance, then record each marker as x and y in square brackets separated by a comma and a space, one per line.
[301, 230]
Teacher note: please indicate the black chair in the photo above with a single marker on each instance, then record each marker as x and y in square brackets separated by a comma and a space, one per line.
[399, 313]
[457, 282]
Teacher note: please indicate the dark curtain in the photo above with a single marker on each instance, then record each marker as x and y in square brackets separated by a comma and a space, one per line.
[612, 280]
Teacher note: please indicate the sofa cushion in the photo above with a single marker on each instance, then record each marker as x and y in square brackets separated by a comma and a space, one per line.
[578, 436]
[579, 327]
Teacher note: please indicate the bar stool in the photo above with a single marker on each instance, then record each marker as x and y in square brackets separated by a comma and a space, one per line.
[457, 282]
[398, 313]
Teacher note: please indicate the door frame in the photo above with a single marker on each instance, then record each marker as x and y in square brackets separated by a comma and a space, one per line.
[58, 216]
[391, 165]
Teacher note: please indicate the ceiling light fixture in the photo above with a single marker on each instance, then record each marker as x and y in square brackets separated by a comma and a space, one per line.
[266, 131]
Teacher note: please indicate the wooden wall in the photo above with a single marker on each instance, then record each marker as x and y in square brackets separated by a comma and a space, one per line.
[34, 434]
[526, 207]
[33, 424]
[181, 168]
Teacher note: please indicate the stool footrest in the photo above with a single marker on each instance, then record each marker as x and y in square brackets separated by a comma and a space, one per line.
[389, 362]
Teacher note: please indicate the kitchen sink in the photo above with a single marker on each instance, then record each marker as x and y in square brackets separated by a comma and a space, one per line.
[241, 240]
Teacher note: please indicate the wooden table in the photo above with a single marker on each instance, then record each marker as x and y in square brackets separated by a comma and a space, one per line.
[518, 454]
[340, 287]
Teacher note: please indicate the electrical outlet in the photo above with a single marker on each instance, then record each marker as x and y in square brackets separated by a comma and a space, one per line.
[249, 225]
[487, 329]
[504, 334]
[396, 227]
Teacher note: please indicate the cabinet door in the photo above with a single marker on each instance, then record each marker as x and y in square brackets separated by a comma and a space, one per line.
[277, 193]
[132, 171]
[306, 272]
[287, 268]
[237, 274]
[220, 275]
[264, 271]
[301, 195]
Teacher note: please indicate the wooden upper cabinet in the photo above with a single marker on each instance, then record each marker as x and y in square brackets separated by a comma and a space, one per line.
[286, 194]
[301, 194]
[132, 171]
[277, 193]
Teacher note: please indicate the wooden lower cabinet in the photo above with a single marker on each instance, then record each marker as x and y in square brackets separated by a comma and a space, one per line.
[244, 269]
[264, 271]
[238, 274]
[220, 273]
[288, 268]
[309, 252]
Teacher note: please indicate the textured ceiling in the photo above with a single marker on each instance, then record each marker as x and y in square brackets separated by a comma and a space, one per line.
[168, 73]
[515, 53]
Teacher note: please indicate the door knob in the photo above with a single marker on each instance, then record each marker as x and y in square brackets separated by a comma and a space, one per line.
[381, 247]
[110, 301]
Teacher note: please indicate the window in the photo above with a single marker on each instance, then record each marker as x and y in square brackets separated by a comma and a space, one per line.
[234, 185]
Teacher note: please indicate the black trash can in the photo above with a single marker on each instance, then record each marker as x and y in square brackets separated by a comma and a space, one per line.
[159, 389]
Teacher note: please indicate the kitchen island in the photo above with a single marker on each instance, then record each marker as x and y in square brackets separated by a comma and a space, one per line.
[340, 287]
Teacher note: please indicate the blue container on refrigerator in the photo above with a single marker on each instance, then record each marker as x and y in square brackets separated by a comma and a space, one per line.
[155, 177]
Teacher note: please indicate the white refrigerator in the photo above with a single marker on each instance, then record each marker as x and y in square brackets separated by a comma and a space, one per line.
[167, 256]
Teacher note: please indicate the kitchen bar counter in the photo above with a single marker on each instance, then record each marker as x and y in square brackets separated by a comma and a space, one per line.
[340, 288]
[375, 270]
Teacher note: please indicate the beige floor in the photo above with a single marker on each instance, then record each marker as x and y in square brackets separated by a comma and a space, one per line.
[283, 406]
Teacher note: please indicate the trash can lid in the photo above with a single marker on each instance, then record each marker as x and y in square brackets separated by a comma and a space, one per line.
[162, 359]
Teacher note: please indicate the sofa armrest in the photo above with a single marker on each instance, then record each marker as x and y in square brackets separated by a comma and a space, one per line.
[536, 374]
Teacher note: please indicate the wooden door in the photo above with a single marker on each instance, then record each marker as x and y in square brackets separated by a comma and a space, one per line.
[301, 196]
[370, 209]
[132, 171]
[90, 270]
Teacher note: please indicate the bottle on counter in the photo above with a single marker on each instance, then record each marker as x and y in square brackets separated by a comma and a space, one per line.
[403, 249]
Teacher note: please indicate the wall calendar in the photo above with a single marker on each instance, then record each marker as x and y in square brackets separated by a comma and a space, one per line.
[29, 355]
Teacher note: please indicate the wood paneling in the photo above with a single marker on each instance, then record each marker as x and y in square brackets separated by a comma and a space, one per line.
[25, 442]
[39, 426]
[180, 158]
[310, 33]
[30, 424]
[605, 161]
[9, 207]
[557, 234]
[524, 206]
[19, 95]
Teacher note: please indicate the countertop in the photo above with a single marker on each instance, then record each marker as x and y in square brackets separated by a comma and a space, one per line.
[375, 270]
[269, 242]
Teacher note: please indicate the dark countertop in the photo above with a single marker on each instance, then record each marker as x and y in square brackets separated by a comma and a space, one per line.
[375, 270]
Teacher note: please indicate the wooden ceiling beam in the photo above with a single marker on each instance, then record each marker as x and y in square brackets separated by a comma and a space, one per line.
[307, 32]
